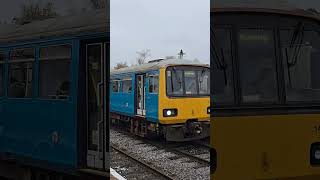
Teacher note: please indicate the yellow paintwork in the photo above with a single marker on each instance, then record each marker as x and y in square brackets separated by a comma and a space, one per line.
[265, 147]
[188, 108]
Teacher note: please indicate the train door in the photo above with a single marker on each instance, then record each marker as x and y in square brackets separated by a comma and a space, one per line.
[96, 109]
[140, 95]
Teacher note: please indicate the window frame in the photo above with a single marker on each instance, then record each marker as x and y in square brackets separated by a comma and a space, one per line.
[234, 64]
[294, 103]
[276, 62]
[11, 61]
[184, 95]
[152, 76]
[39, 59]
[122, 85]
[119, 85]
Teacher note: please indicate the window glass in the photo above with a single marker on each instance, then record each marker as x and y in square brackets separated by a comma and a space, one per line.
[174, 82]
[222, 70]
[116, 86]
[204, 82]
[190, 79]
[21, 73]
[301, 60]
[1, 74]
[257, 65]
[153, 84]
[54, 73]
[127, 86]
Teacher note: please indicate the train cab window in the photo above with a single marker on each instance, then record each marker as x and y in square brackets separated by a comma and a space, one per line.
[190, 79]
[21, 73]
[116, 86]
[127, 85]
[1, 74]
[222, 69]
[204, 81]
[54, 73]
[174, 82]
[301, 59]
[257, 66]
[153, 84]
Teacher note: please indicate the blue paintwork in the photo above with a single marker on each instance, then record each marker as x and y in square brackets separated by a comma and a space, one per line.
[124, 103]
[26, 125]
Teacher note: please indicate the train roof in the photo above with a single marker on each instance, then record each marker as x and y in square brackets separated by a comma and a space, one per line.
[87, 22]
[156, 65]
[272, 7]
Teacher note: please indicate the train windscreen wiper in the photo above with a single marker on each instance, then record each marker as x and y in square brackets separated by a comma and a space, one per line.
[295, 44]
[219, 58]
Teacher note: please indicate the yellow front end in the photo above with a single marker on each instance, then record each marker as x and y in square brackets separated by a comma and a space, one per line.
[189, 108]
[265, 147]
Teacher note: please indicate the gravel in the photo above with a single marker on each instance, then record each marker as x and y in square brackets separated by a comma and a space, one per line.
[180, 167]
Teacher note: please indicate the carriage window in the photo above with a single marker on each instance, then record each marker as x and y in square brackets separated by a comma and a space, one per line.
[222, 81]
[153, 84]
[174, 82]
[204, 81]
[54, 74]
[21, 73]
[127, 85]
[1, 74]
[257, 65]
[116, 86]
[301, 59]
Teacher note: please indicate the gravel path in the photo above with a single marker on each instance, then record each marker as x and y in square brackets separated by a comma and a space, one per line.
[178, 166]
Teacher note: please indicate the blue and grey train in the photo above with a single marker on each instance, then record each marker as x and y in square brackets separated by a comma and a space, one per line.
[168, 98]
[53, 96]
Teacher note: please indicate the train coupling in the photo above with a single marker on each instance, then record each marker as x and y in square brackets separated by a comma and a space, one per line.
[191, 130]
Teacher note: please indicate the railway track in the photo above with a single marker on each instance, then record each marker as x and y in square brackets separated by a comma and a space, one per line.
[194, 160]
[155, 173]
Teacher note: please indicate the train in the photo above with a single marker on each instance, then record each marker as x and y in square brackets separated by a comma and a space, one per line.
[164, 98]
[53, 97]
[265, 93]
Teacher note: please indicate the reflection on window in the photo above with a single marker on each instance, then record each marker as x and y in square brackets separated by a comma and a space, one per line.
[116, 86]
[1, 74]
[21, 73]
[222, 88]
[174, 82]
[153, 84]
[190, 79]
[204, 82]
[54, 74]
[301, 59]
[258, 66]
[127, 85]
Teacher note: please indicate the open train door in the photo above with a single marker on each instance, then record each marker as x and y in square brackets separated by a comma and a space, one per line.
[140, 95]
[97, 55]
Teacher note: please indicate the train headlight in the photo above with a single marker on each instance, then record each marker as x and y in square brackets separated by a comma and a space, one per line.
[208, 110]
[315, 154]
[170, 112]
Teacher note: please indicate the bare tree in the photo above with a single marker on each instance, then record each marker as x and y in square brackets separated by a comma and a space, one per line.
[33, 11]
[98, 4]
[142, 56]
[121, 65]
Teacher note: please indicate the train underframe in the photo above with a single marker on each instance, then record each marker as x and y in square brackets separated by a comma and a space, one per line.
[191, 130]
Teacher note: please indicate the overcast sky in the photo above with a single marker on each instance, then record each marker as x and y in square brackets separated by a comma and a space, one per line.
[163, 26]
